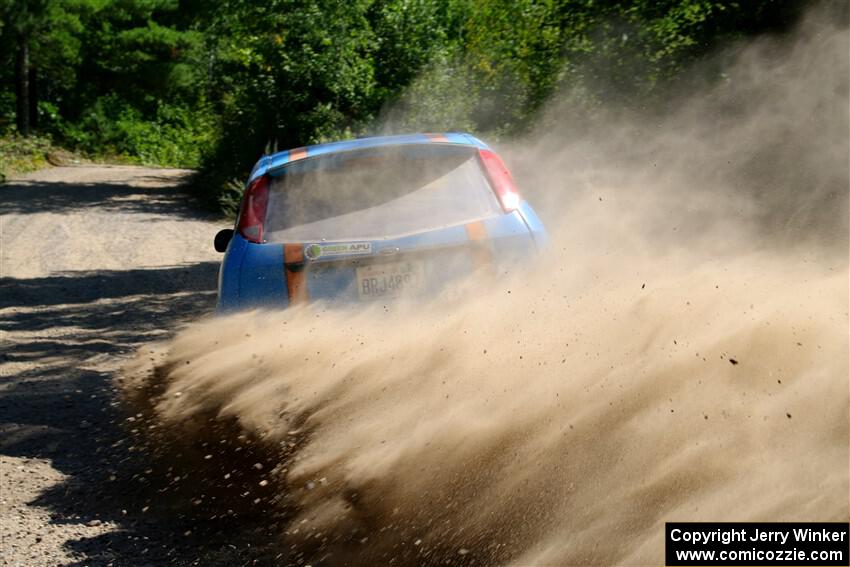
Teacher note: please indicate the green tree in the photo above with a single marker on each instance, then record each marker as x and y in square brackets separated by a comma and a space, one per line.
[41, 36]
[217, 82]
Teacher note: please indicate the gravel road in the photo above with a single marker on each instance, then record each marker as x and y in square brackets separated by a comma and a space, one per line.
[96, 261]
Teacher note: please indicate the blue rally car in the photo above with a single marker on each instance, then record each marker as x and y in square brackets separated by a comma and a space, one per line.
[373, 219]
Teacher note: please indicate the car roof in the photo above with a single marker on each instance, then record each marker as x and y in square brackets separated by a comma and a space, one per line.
[275, 161]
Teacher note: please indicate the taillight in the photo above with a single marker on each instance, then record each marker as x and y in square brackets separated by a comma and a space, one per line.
[253, 214]
[501, 180]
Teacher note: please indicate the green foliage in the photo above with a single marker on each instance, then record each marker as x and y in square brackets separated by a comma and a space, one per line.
[174, 136]
[20, 155]
[228, 197]
[216, 83]
[112, 77]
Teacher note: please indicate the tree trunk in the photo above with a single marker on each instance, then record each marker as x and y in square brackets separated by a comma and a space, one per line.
[22, 89]
[33, 106]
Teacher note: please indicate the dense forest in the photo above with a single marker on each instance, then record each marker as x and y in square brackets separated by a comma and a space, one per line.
[212, 84]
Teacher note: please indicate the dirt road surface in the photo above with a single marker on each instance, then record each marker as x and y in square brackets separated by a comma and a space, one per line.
[96, 261]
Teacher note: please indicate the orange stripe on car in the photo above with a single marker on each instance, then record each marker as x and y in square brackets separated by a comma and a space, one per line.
[296, 278]
[482, 253]
[476, 231]
[437, 138]
[297, 153]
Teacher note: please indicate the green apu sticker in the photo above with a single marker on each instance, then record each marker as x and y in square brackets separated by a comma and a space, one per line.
[314, 251]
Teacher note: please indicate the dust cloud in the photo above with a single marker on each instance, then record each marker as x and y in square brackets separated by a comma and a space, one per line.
[679, 354]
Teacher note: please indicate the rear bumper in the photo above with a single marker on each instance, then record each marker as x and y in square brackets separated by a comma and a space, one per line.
[257, 275]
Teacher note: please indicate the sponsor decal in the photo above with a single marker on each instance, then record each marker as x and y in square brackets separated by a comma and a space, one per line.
[314, 251]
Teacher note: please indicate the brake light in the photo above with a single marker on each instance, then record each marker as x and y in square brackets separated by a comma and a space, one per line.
[253, 214]
[501, 180]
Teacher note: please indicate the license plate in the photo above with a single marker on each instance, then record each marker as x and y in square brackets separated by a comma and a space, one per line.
[377, 281]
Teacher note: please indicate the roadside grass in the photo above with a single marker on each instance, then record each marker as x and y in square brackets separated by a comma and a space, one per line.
[21, 155]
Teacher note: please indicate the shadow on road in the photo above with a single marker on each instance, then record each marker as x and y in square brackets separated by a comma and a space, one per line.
[25, 196]
[69, 333]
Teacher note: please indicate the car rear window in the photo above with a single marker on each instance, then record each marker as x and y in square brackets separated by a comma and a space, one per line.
[378, 193]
